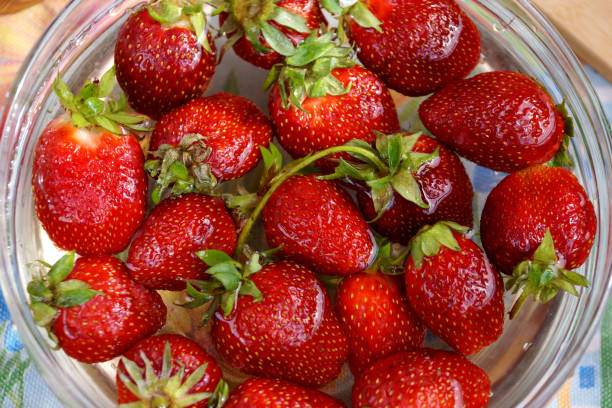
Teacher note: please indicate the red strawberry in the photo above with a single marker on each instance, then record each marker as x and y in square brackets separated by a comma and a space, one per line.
[318, 225]
[176, 362]
[377, 321]
[454, 289]
[276, 321]
[88, 180]
[416, 46]
[248, 16]
[445, 187]
[525, 208]
[266, 393]
[162, 254]
[422, 378]
[231, 130]
[92, 307]
[333, 120]
[156, 46]
[500, 120]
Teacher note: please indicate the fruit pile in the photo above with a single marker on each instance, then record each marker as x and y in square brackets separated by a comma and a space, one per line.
[367, 229]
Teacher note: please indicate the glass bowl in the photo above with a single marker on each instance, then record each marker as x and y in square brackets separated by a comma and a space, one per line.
[526, 365]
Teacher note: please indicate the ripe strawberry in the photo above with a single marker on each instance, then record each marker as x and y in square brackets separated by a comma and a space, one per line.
[157, 45]
[454, 289]
[415, 46]
[422, 378]
[321, 111]
[520, 213]
[162, 254]
[445, 188]
[92, 308]
[266, 393]
[375, 316]
[319, 226]
[500, 120]
[88, 179]
[248, 26]
[276, 321]
[184, 375]
[228, 130]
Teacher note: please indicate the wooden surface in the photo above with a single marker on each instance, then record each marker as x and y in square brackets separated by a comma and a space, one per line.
[587, 27]
[18, 33]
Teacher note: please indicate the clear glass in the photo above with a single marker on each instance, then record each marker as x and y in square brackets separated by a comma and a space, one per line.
[537, 351]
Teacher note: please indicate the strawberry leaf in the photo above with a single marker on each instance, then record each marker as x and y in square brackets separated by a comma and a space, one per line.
[61, 269]
[406, 185]
[428, 240]
[65, 96]
[92, 106]
[79, 120]
[249, 288]
[39, 292]
[288, 19]
[542, 277]
[198, 23]
[42, 313]
[227, 274]
[70, 298]
[364, 17]
[227, 302]
[272, 157]
[309, 53]
[333, 6]
[212, 257]
[169, 388]
[106, 84]
[545, 253]
[166, 12]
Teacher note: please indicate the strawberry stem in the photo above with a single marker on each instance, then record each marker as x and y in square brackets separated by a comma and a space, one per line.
[293, 168]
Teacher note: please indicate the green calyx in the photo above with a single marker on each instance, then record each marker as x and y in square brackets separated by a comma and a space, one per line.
[92, 106]
[308, 71]
[541, 277]
[246, 202]
[390, 258]
[167, 390]
[171, 12]
[183, 167]
[401, 163]
[49, 291]
[357, 10]
[252, 18]
[228, 279]
[428, 240]
[561, 158]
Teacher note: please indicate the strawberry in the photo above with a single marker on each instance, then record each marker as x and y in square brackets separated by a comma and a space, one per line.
[92, 309]
[453, 288]
[330, 102]
[158, 44]
[217, 137]
[262, 32]
[422, 378]
[182, 373]
[442, 182]
[274, 321]
[162, 254]
[375, 316]
[500, 120]
[266, 393]
[319, 226]
[415, 46]
[538, 224]
[88, 179]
